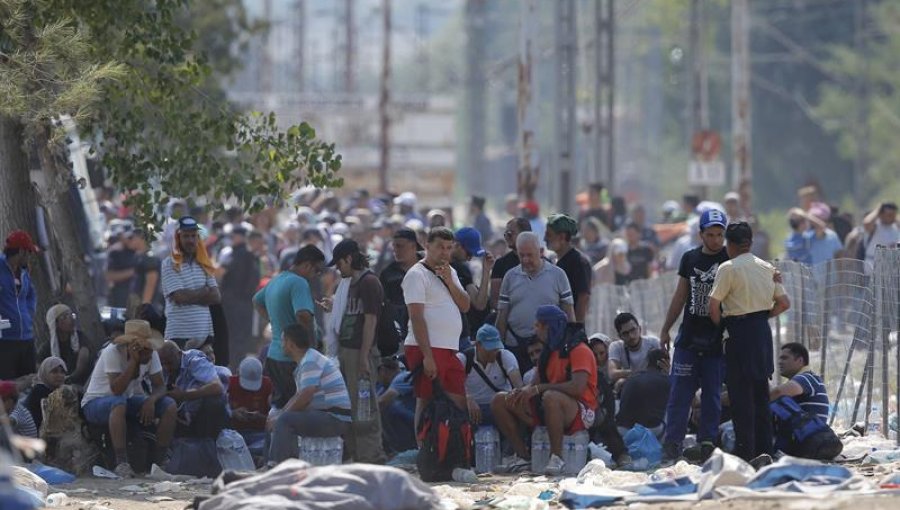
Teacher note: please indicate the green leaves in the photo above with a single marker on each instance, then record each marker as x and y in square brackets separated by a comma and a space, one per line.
[132, 76]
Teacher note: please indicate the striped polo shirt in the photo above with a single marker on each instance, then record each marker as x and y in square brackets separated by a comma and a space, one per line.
[814, 398]
[186, 321]
[522, 294]
[316, 370]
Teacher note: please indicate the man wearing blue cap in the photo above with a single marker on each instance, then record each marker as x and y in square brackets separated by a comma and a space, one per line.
[697, 360]
[466, 247]
[490, 369]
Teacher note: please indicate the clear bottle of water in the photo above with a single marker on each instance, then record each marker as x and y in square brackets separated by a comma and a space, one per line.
[364, 400]
[874, 428]
[575, 451]
[487, 449]
[540, 449]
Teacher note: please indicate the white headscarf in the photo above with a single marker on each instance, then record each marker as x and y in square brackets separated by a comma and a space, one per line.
[54, 313]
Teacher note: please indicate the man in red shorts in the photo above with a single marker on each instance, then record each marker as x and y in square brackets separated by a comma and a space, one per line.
[563, 396]
[435, 298]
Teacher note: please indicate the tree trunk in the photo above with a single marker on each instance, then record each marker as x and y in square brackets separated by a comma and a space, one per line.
[19, 203]
[62, 221]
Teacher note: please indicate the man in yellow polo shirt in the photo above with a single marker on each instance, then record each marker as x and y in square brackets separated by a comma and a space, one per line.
[743, 298]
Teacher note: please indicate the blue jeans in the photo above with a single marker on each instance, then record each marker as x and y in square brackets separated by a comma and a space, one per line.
[397, 427]
[97, 411]
[689, 372]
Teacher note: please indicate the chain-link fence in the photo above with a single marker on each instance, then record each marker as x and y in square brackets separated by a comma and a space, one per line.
[845, 311]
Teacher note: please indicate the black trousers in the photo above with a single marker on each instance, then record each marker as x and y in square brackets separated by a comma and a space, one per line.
[208, 421]
[17, 358]
[748, 366]
[282, 375]
[604, 429]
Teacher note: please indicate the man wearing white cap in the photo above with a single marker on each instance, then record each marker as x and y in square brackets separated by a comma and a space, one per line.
[249, 394]
[406, 206]
[114, 394]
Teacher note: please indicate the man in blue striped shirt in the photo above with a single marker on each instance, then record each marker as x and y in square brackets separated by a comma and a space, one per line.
[321, 406]
[805, 387]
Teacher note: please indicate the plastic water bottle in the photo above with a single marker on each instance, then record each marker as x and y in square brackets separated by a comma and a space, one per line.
[333, 450]
[364, 400]
[540, 449]
[874, 428]
[232, 452]
[487, 449]
[575, 451]
[729, 440]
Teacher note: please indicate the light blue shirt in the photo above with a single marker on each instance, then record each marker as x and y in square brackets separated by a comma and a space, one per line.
[196, 372]
[823, 250]
[283, 297]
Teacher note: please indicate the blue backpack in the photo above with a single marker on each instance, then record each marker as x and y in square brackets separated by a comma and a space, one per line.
[803, 434]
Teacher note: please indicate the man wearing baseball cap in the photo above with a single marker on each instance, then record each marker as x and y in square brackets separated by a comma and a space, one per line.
[467, 246]
[248, 394]
[18, 302]
[697, 360]
[490, 369]
[743, 298]
[561, 229]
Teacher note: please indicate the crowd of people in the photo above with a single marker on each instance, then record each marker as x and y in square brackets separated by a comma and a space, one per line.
[340, 318]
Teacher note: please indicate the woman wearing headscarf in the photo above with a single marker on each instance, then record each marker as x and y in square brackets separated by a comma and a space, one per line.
[564, 398]
[66, 343]
[51, 375]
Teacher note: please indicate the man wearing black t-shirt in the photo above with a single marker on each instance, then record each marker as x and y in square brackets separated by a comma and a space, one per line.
[119, 270]
[640, 253]
[468, 245]
[146, 272]
[698, 346]
[514, 227]
[406, 253]
[560, 231]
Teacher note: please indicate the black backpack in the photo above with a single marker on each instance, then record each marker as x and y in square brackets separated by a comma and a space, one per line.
[470, 365]
[390, 331]
[446, 436]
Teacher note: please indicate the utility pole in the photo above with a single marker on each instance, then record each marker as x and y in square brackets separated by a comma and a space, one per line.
[300, 43]
[862, 104]
[422, 60]
[565, 36]
[475, 99]
[741, 112]
[384, 98]
[266, 74]
[604, 93]
[350, 43]
[527, 176]
[699, 77]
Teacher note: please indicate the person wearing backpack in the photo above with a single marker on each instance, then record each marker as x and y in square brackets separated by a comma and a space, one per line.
[564, 398]
[490, 369]
[393, 324]
[801, 429]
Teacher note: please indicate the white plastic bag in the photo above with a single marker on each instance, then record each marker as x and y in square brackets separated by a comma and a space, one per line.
[232, 452]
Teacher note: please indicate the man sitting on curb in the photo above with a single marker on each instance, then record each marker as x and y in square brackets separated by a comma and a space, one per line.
[564, 398]
[195, 385]
[114, 393]
[321, 406]
[807, 390]
[490, 369]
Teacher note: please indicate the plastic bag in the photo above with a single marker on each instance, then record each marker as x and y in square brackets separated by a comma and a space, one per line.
[232, 452]
[642, 444]
[51, 475]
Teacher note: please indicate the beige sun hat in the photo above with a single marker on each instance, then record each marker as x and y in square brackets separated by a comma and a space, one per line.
[140, 331]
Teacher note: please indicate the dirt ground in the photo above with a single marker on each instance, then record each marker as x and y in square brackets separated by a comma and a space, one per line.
[100, 494]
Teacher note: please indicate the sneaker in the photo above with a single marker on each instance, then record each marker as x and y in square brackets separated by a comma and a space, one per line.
[513, 464]
[624, 461]
[700, 453]
[762, 461]
[555, 466]
[123, 470]
[671, 453]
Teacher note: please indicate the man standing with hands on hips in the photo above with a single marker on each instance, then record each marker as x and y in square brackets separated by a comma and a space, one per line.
[743, 298]
[435, 298]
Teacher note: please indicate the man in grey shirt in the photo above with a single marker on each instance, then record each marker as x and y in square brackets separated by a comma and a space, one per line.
[534, 282]
[628, 355]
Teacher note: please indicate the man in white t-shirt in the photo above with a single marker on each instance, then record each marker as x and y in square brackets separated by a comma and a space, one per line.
[114, 394]
[434, 298]
[490, 369]
[629, 354]
[881, 229]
